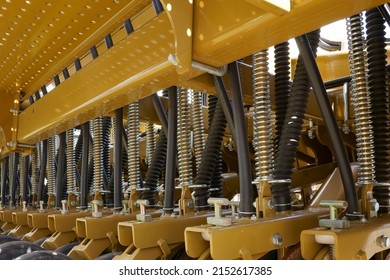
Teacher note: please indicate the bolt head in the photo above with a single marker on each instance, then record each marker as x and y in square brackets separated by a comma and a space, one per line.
[385, 241]
[270, 204]
[374, 205]
[277, 239]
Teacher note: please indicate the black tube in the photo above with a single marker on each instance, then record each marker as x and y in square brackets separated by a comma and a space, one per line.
[291, 133]
[170, 170]
[42, 171]
[155, 169]
[162, 115]
[330, 122]
[118, 160]
[60, 169]
[244, 164]
[225, 102]
[282, 87]
[209, 160]
[84, 166]
[379, 95]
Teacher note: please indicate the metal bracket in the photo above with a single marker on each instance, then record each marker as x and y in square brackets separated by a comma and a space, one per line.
[143, 217]
[333, 222]
[218, 219]
[180, 14]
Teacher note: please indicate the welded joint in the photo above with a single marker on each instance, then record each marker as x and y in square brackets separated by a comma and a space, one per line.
[200, 66]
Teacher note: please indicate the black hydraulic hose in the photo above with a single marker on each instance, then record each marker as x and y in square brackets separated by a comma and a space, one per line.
[209, 160]
[225, 102]
[291, 132]
[282, 87]
[170, 170]
[162, 115]
[212, 104]
[327, 113]
[118, 159]
[60, 187]
[244, 164]
[42, 172]
[385, 14]
[378, 92]
[84, 166]
[155, 168]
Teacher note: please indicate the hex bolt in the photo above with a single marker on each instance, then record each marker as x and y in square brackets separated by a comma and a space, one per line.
[374, 205]
[277, 239]
[385, 241]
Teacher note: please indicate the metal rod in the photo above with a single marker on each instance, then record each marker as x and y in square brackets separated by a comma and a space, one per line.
[84, 166]
[118, 156]
[244, 165]
[385, 14]
[4, 168]
[170, 169]
[225, 102]
[330, 122]
[162, 115]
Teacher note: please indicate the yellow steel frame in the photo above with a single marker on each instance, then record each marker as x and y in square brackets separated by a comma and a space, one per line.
[219, 32]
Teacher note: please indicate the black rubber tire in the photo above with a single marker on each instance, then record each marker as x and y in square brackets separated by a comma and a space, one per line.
[6, 238]
[108, 256]
[14, 249]
[43, 255]
[65, 249]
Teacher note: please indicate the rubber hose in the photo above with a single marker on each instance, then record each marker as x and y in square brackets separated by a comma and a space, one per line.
[282, 87]
[377, 86]
[209, 158]
[84, 167]
[291, 132]
[156, 166]
[216, 179]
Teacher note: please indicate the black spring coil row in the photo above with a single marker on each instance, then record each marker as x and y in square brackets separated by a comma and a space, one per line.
[282, 86]
[377, 85]
[209, 158]
[291, 133]
[155, 169]
[216, 180]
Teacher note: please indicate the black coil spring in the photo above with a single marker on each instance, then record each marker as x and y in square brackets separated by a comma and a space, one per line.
[377, 85]
[282, 86]
[291, 133]
[209, 158]
[156, 167]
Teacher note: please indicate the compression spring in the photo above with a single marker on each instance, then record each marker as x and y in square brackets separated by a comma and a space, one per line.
[198, 126]
[378, 90]
[97, 127]
[150, 142]
[262, 127]
[184, 138]
[282, 87]
[133, 145]
[360, 100]
[34, 171]
[51, 165]
[106, 128]
[70, 162]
